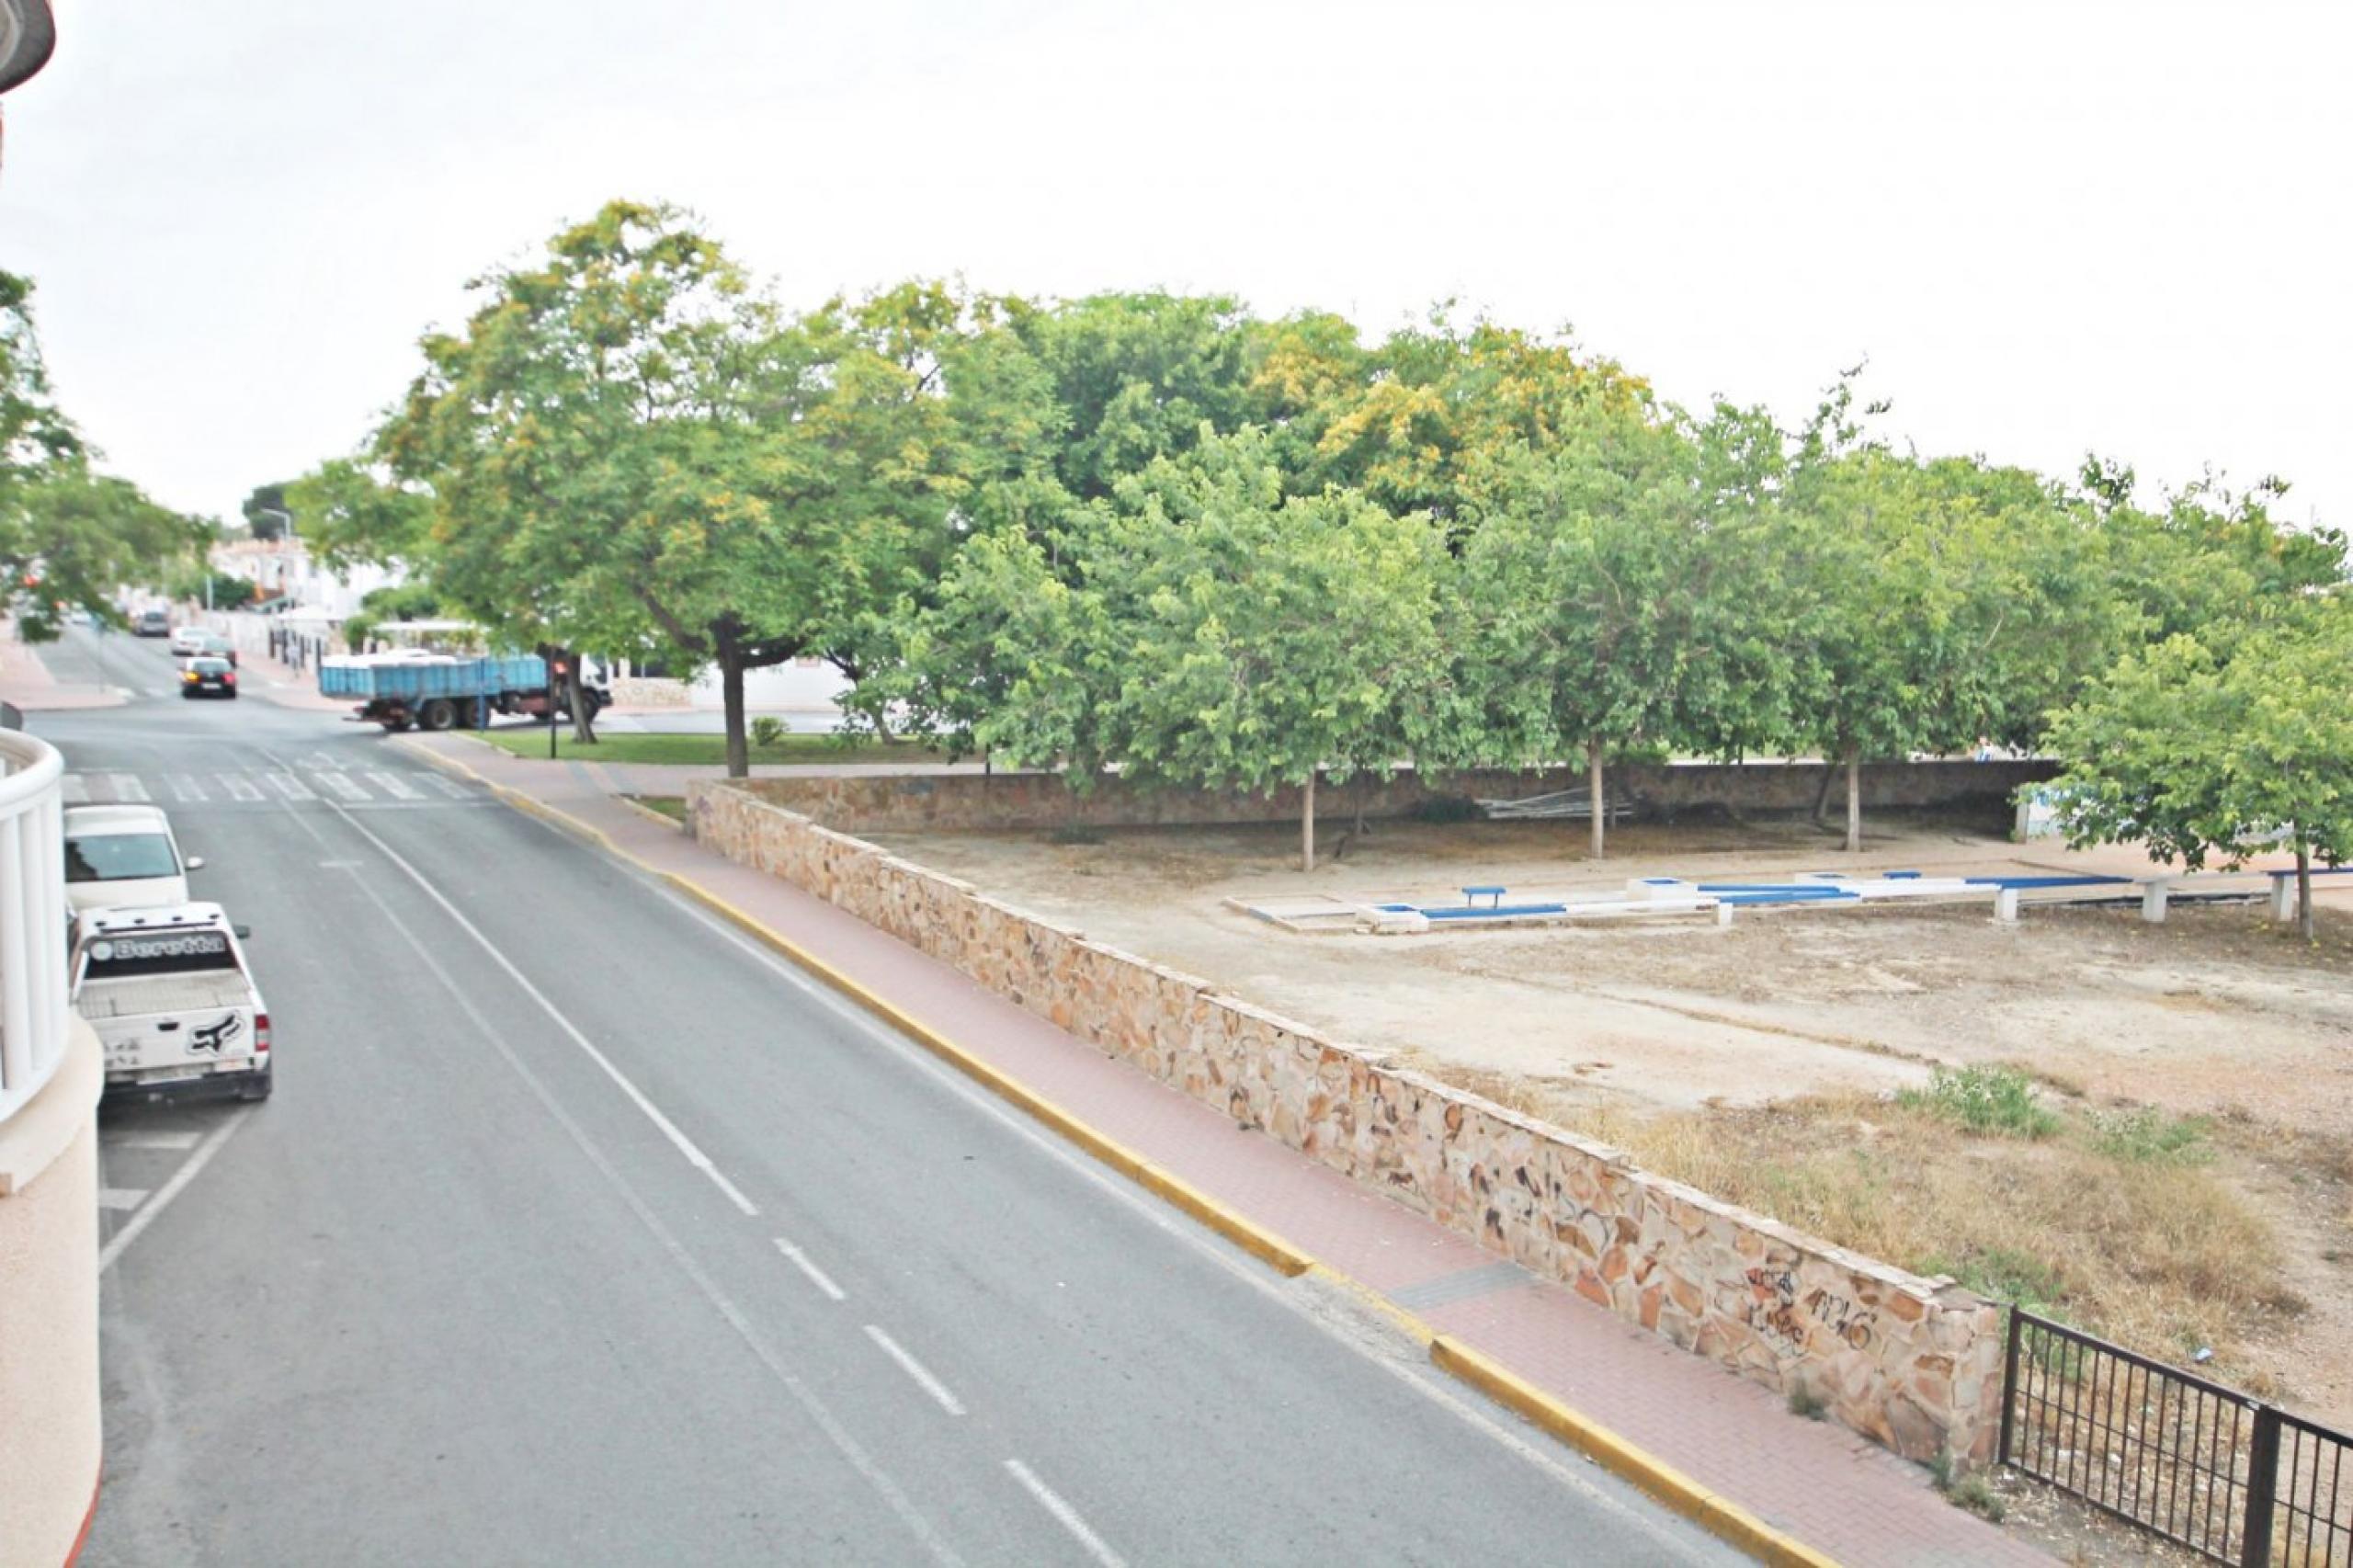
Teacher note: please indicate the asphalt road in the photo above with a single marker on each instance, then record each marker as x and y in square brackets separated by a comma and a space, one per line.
[579, 1231]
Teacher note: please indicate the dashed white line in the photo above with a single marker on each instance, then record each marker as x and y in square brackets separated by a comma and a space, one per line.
[122, 1199]
[392, 784]
[293, 789]
[918, 1370]
[174, 1141]
[126, 787]
[1064, 1514]
[240, 788]
[347, 787]
[817, 1276]
[172, 1188]
[185, 786]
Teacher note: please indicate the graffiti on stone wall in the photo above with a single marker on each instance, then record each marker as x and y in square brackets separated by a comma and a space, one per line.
[1778, 1312]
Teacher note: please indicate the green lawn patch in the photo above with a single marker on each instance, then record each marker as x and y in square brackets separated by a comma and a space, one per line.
[671, 806]
[705, 751]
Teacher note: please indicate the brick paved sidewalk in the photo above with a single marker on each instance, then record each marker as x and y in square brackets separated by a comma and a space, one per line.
[1826, 1486]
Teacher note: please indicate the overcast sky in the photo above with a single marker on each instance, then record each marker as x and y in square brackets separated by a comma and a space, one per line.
[2053, 228]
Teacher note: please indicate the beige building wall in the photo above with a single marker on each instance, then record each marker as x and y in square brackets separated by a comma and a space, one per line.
[49, 1447]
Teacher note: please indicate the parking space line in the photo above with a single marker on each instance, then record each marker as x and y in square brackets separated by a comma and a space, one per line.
[176, 1141]
[172, 1188]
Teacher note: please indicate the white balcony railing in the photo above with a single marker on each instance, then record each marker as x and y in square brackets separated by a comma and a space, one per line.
[32, 917]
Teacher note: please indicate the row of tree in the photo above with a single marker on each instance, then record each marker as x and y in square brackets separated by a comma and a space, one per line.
[70, 536]
[1156, 534]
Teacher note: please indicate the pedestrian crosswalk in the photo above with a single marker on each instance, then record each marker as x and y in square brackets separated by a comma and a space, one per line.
[265, 785]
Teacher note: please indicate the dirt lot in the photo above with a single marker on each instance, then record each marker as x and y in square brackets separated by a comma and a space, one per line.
[1763, 1060]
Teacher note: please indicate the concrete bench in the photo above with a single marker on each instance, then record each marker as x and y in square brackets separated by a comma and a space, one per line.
[1495, 896]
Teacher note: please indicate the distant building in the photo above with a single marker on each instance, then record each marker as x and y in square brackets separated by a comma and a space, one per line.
[282, 569]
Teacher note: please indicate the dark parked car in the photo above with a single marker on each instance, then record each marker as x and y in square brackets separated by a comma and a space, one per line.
[209, 676]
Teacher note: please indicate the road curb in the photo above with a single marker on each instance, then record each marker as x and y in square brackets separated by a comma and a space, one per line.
[1647, 1473]
[1726, 1520]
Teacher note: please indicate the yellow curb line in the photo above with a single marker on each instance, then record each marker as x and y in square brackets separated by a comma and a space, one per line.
[1720, 1517]
[1725, 1519]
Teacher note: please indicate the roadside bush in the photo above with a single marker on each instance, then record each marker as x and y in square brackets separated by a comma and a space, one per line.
[1996, 1100]
[767, 731]
[2146, 1135]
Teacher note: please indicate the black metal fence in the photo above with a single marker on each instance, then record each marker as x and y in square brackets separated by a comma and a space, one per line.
[2230, 1477]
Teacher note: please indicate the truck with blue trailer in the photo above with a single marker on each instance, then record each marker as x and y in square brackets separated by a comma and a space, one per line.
[439, 691]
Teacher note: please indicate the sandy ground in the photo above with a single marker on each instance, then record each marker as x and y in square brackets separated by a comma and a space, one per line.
[2216, 1012]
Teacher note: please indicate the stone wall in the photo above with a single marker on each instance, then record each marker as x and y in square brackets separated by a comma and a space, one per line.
[955, 801]
[1913, 1363]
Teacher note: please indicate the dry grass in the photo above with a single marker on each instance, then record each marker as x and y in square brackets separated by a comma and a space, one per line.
[2161, 1255]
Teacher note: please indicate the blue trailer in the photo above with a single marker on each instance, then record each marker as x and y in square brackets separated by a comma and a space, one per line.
[440, 692]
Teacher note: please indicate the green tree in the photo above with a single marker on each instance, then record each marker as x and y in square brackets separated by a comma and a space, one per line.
[1436, 404]
[590, 445]
[1140, 376]
[2226, 745]
[1612, 591]
[1221, 635]
[265, 512]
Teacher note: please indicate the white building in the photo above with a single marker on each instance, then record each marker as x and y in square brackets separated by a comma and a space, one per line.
[282, 568]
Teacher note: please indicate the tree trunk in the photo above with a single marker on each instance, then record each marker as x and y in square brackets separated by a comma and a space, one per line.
[1854, 802]
[1593, 772]
[1307, 823]
[584, 722]
[2306, 923]
[730, 699]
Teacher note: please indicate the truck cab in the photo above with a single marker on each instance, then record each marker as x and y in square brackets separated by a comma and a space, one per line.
[173, 1002]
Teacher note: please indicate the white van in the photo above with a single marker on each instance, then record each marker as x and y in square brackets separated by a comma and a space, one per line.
[124, 856]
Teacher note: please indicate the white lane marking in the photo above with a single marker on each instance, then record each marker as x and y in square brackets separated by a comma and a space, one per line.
[347, 787]
[185, 786]
[122, 1199]
[175, 1140]
[1368, 1343]
[735, 1318]
[448, 785]
[75, 788]
[679, 1141]
[293, 789]
[817, 1276]
[392, 784]
[174, 1188]
[1064, 1514]
[126, 787]
[240, 788]
[918, 1370]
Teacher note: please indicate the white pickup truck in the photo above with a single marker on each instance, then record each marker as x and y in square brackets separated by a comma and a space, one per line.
[173, 1002]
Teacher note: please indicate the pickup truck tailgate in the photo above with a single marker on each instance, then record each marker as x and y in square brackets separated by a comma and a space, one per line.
[169, 1020]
